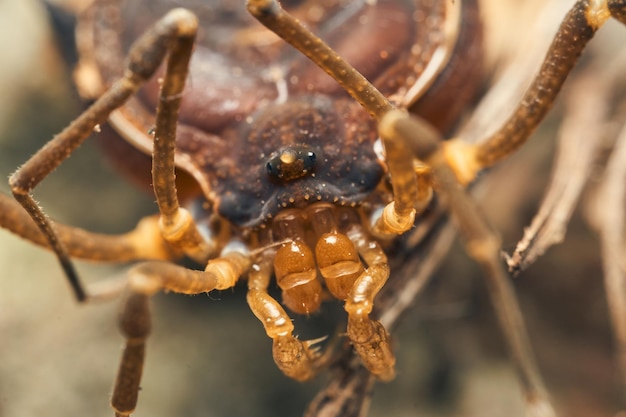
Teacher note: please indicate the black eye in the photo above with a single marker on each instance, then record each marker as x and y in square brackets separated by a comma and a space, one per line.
[271, 168]
[291, 163]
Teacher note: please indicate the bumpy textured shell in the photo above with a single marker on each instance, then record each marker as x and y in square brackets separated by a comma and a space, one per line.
[249, 94]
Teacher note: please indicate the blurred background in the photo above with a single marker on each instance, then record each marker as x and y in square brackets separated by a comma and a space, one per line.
[208, 355]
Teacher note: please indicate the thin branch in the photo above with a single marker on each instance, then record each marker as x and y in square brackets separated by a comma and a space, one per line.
[607, 215]
[578, 146]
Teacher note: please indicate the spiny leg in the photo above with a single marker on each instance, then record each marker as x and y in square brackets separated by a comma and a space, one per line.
[481, 243]
[295, 358]
[144, 280]
[145, 57]
[177, 224]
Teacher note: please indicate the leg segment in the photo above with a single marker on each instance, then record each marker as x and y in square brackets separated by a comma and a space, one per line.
[142, 243]
[575, 32]
[369, 337]
[295, 358]
[399, 215]
[144, 58]
[577, 29]
[274, 17]
[177, 225]
[145, 280]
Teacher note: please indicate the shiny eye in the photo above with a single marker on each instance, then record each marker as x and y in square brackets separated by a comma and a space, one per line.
[271, 167]
[291, 162]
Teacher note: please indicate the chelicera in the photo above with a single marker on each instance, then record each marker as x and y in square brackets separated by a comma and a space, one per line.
[292, 177]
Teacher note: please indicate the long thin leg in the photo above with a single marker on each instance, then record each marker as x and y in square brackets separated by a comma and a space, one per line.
[576, 30]
[481, 243]
[142, 243]
[177, 225]
[146, 279]
[272, 15]
[144, 58]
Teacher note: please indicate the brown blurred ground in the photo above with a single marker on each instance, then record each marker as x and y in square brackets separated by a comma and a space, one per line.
[208, 354]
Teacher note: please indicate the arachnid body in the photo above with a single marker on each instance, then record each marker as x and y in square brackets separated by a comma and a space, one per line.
[282, 174]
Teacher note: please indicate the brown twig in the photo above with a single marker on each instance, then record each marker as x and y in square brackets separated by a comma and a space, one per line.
[577, 148]
[609, 220]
